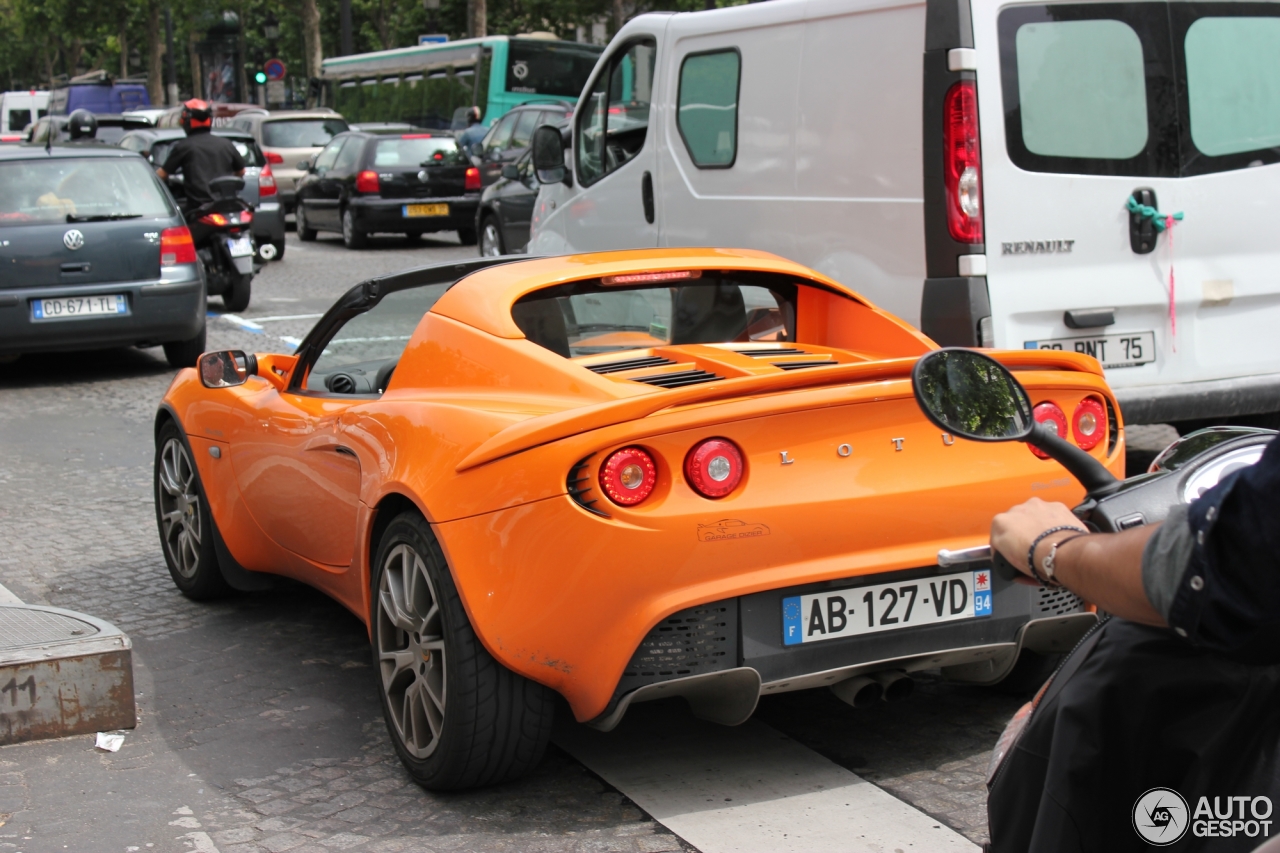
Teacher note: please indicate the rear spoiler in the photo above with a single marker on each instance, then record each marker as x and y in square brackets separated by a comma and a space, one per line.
[558, 425]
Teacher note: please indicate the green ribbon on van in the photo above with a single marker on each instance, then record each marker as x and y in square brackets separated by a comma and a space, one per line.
[1157, 218]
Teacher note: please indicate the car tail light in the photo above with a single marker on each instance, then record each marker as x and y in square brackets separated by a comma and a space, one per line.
[176, 247]
[714, 467]
[1051, 414]
[1089, 423]
[213, 219]
[273, 157]
[266, 182]
[651, 277]
[367, 182]
[962, 166]
[473, 178]
[628, 476]
[415, 136]
[246, 216]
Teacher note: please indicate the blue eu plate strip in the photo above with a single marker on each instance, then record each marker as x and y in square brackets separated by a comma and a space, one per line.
[792, 627]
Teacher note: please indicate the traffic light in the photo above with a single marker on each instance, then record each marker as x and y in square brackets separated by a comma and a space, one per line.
[260, 77]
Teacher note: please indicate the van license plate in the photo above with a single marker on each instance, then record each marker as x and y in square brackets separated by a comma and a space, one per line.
[1127, 350]
[71, 307]
[414, 210]
[885, 607]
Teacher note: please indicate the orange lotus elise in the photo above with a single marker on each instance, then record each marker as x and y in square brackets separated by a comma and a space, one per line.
[616, 477]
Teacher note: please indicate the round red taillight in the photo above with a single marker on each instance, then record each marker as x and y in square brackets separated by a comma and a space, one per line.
[714, 467]
[628, 476]
[1051, 414]
[1089, 423]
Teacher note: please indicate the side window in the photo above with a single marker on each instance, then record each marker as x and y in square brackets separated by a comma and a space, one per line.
[328, 156]
[524, 128]
[613, 126]
[707, 108]
[350, 154]
[501, 134]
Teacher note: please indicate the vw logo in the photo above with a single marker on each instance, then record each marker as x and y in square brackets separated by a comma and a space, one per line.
[73, 239]
[422, 176]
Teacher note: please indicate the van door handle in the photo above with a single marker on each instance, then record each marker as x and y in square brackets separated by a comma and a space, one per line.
[1142, 229]
[646, 196]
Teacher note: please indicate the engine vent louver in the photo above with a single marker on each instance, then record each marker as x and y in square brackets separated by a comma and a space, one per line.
[1059, 600]
[679, 379]
[579, 483]
[770, 353]
[800, 365]
[629, 364]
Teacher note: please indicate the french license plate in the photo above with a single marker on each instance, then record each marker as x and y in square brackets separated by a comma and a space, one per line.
[412, 210]
[240, 247]
[1128, 350]
[885, 607]
[68, 307]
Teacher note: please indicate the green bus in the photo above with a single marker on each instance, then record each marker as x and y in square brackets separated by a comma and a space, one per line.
[431, 85]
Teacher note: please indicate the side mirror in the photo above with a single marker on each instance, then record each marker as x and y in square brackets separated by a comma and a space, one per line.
[226, 368]
[511, 172]
[548, 156]
[304, 165]
[973, 396]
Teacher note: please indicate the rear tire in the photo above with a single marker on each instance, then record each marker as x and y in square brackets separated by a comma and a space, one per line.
[305, 234]
[237, 298]
[467, 236]
[183, 519]
[491, 239]
[351, 237]
[181, 354]
[457, 717]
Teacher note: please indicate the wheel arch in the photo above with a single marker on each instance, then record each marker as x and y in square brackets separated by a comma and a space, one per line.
[384, 512]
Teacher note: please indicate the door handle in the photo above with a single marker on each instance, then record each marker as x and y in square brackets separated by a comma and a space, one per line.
[646, 196]
[345, 451]
[1142, 229]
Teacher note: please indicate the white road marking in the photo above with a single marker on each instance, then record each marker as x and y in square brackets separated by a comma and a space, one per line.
[749, 788]
[247, 325]
[7, 597]
[278, 319]
[203, 843]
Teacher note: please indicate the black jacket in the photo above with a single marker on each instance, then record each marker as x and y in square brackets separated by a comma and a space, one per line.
[201, 157]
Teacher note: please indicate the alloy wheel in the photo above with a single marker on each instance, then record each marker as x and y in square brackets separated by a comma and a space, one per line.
[490, 242]
[180, 507]
[411, 653]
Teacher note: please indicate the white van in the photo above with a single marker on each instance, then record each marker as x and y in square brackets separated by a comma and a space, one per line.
[19, 109]
[969, 166]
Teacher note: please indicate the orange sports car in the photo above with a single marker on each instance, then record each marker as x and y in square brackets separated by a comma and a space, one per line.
[616, 477]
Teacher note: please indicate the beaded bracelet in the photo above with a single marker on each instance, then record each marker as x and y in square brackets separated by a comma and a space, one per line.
[1031, 554]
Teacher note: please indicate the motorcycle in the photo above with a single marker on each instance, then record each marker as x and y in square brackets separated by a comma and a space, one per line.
[224, 242]
[1136, 726]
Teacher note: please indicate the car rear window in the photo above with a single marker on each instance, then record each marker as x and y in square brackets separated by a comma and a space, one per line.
[415, 150]
[301, 132]
[40, 192]
[587, 318]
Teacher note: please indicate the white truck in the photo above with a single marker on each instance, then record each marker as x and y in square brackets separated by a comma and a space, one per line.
[1000, 174]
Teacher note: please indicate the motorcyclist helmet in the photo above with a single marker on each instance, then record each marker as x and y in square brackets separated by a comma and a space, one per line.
[82, 124]
[196, 115]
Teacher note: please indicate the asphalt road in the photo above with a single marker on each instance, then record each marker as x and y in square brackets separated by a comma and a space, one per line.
[259, 724]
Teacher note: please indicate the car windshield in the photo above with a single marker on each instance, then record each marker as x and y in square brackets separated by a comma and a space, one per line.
[417, 150]
[586, 318]
[301, 132]
[66, 189]
[372, 341]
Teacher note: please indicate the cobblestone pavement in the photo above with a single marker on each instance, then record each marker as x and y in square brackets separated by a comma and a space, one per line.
[259, 725]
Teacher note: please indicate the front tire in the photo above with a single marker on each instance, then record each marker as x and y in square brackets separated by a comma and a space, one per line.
[457, 717]
[491, 239]
[181, 354]
[352, 238]
[305, 233]
[237, 298]
[183, 519]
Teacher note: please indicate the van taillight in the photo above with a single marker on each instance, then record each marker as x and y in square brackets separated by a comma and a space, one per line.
[176, 247]
[962, 168]
[367, 182]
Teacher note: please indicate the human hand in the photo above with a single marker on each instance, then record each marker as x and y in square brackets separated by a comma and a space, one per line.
[1013, 532]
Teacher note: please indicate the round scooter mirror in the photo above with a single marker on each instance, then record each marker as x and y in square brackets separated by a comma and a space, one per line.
[972, 395]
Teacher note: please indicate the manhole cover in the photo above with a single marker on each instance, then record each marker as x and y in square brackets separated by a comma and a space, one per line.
[21, 627]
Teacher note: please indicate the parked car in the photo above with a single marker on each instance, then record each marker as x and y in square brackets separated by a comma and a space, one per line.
[260, 190]
[19, 109]
[95, 254]
[508, 139]
[617, 477]
[506, 207]
[289, 137]
[410, 184]
[99, 92]
[1007, 189]
[111, 128]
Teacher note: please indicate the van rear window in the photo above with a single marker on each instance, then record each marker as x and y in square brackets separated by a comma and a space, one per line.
[1141, 89]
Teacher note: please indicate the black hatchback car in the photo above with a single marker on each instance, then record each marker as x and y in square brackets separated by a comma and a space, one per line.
[94, 253]
[408, 183]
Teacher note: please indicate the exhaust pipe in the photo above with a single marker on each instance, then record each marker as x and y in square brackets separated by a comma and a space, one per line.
[859, 691]
[896, 685]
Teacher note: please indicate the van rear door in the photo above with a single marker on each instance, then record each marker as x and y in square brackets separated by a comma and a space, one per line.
[1177, 105]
